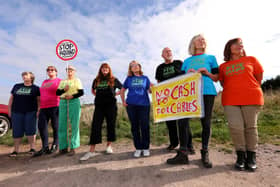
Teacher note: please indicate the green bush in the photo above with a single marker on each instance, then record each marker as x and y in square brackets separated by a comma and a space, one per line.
[268, 125]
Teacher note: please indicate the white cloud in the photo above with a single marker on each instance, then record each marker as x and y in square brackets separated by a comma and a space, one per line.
[118, 39]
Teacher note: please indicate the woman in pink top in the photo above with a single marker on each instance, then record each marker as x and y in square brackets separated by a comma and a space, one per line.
[49, 111]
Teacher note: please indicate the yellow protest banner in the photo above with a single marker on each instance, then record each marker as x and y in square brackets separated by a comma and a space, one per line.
[177, 98]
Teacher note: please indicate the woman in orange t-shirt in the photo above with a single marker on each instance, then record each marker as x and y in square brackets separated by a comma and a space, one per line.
[242, 99]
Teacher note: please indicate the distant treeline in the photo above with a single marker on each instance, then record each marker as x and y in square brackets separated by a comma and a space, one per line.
[271, 84]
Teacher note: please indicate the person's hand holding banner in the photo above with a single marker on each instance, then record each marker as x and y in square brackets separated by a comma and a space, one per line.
[191, 71]
[177, 98]
[203, 71]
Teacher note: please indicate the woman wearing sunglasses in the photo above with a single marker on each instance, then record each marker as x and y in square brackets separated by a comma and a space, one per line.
[49, 103]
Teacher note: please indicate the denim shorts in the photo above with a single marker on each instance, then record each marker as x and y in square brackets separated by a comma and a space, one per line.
[24, 123]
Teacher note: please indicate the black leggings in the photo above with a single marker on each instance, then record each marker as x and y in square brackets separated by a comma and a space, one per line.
[206, 120]
[45, 115]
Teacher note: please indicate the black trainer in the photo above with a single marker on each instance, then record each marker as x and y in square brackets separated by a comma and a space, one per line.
[31, 151]
[180, 158]
[171, 147]
[53, 149]
[41, 152]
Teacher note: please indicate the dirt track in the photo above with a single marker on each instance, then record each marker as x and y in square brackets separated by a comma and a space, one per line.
[121, 169]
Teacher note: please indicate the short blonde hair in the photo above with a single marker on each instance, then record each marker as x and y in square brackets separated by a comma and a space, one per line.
[192, 49]
[130, 73]
[32, 76]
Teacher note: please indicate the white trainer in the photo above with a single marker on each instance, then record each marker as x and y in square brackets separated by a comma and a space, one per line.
[146, 152]
[137, 153]
[88, 155]
[109, 150]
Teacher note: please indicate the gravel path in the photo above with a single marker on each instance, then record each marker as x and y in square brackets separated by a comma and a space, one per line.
[121, 169]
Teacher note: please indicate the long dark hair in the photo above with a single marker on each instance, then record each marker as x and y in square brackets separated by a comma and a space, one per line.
[109, 77]
[227, 50]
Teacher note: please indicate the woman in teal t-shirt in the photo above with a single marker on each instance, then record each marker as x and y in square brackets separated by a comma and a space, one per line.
[208, 67]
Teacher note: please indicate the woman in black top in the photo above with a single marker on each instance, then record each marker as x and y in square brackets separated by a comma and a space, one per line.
[24, 105]
[103, 87]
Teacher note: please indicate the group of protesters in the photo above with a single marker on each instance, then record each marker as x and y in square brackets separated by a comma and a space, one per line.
[58, 101]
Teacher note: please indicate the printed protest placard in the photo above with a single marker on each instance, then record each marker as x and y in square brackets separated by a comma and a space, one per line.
[177, 98]
[66, 50]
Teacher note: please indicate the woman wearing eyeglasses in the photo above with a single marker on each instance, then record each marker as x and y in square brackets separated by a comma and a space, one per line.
[69, 90]
[49, 103]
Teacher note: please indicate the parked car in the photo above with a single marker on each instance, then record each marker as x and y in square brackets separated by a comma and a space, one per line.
[5, 121]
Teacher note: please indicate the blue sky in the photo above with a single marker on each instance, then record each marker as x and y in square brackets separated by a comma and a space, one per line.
[122, 30]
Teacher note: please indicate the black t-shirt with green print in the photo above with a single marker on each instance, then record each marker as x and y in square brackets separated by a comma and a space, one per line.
[25, 98]
[167, 71]
[104, 93]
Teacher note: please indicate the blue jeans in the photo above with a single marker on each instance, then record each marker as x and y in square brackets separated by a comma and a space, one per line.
[139, 117]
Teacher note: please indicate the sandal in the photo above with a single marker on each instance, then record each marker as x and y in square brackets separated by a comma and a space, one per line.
[31, 151]
[13, 154]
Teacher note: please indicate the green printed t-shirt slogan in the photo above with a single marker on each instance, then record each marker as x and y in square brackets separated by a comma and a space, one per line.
[167, 71]
[235, 69]
[24, 91]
